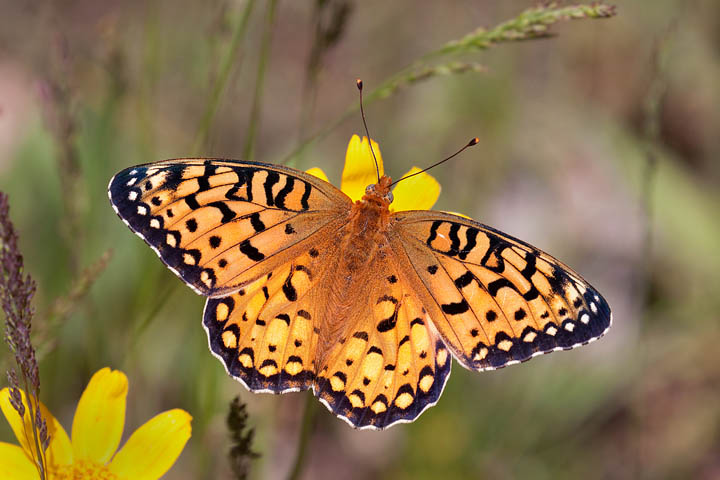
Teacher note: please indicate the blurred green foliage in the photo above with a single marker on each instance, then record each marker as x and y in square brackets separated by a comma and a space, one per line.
[566, 161]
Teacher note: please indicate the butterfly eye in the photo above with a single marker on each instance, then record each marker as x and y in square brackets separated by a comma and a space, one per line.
[389, 197]
[370, 189]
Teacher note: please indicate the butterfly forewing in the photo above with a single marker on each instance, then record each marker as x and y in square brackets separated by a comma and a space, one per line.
[219, 224]
[494, 299]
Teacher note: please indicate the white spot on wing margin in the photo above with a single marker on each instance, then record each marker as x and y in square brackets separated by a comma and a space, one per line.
[157, 252]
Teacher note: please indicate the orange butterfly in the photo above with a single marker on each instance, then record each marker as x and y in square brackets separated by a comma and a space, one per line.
[365, 306]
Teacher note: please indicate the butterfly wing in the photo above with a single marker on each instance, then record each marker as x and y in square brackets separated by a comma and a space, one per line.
[385, 364]
[219, 224]
[390, 365]
[494, 299]
[266, 333]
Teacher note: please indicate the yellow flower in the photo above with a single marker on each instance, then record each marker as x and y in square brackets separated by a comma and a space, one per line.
[417, 193]
[96, 431]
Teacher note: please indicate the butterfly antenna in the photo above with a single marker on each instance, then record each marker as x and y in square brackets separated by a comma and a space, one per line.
[472, 142]
[362, 112]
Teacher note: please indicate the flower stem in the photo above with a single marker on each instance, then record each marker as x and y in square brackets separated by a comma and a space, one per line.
[308, 423]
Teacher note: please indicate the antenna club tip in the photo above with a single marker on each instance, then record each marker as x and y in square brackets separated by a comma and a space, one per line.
[474, 141]
[359, 83]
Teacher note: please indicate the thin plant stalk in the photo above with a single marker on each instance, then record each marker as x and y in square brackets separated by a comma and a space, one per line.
[330, 19]
[232, 58]
[652, 109]
[250, 140]
[652, 106]
[17, 290]
[530, 24]
[169, 288]
[306, 429]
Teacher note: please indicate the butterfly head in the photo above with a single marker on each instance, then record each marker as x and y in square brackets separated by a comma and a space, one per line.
[379, 193]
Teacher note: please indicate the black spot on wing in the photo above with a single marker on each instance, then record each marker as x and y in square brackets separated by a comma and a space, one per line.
[464, 280]
[288, 288]
[192, 202]
[247, 249]
[494, 252]
[455, 308]
[284, 192]
[270, 181]
[306, 196]
[361, 335]
[227, 213]
[390, 322]
[255, 222]
[433, 232]
[470, 242]
[454, 240]
[495, 286]
[242, 190]
[374, 349]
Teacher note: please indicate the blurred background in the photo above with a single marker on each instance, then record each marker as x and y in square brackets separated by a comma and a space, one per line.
[599, 144]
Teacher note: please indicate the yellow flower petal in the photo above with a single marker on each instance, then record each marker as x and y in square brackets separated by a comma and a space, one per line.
[318, 172]
[154, 447]
[59, 451]
[22, 428]
[359, 171]
[100, 416]
[15, 464]
[417, 193]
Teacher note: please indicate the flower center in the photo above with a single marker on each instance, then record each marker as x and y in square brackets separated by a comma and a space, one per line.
[83, 470]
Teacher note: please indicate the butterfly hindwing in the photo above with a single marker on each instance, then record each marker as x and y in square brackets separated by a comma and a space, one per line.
[494, 299]
[391, 364]
[219, 223]
[266, 333]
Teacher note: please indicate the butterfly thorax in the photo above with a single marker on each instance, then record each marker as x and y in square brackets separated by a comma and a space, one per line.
[368, 222]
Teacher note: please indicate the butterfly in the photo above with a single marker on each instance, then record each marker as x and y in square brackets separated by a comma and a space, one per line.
[365, 306]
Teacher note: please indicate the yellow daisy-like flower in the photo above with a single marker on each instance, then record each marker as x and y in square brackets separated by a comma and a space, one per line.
[96, 432]
[417, 193]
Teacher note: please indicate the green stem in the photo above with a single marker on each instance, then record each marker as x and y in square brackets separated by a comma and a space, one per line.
[219, 87]
[306, 429]
[249, 150]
